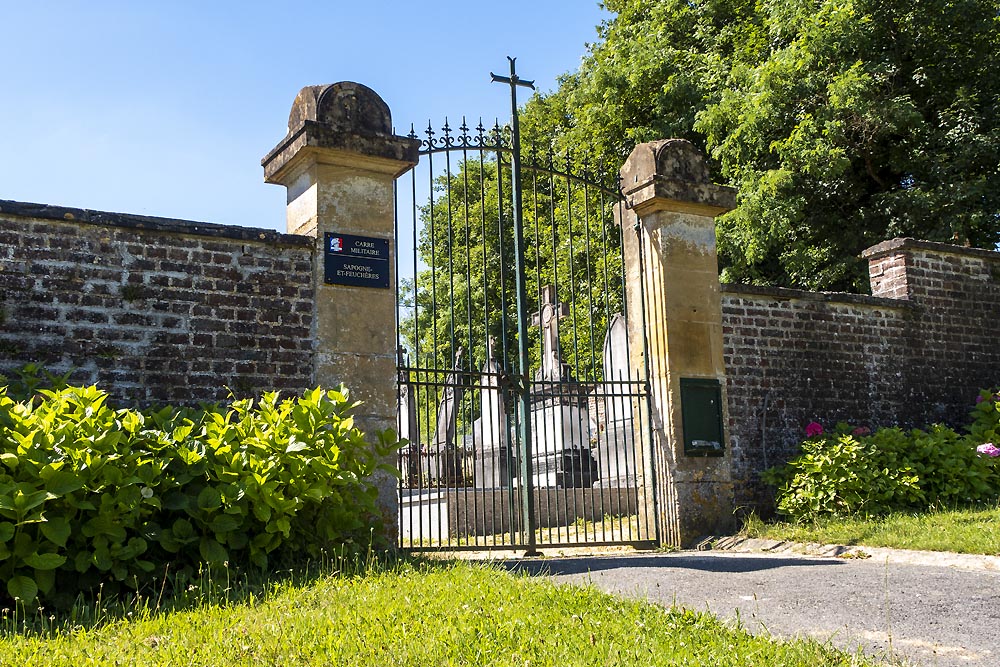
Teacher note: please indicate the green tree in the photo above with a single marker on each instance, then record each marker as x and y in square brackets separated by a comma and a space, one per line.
[466, 293]
[655, 66]
[842, 122]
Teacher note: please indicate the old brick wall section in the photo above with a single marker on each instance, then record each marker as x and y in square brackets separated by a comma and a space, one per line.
[794, 357]
[913, 353]
[954, 348]
[151, 309]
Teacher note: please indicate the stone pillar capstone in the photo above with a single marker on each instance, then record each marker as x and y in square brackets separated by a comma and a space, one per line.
[672, 275]
[339, 161]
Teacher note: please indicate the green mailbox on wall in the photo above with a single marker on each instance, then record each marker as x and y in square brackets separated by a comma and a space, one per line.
[701, 415]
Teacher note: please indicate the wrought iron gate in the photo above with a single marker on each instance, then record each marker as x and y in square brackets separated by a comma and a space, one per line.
[525, 417]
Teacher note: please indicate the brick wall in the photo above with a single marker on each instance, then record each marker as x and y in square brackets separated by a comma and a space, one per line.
[154, 310]
[794, 357]
[953, 347]
[913, 353]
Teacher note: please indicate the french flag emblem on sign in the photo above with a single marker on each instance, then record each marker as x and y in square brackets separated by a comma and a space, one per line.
[336, 244]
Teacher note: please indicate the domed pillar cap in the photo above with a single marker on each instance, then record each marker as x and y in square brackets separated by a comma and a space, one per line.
[671, 174]
[328, 123]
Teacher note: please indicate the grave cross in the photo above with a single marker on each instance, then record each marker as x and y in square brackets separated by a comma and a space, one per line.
[547, 318]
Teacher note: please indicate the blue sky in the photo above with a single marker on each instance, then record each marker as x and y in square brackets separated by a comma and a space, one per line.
[165, 108]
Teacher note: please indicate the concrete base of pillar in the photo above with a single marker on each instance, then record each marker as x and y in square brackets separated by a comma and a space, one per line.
[700, 509]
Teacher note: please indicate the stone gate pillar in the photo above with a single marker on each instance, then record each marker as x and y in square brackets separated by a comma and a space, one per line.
[673, 279]
[339, 161]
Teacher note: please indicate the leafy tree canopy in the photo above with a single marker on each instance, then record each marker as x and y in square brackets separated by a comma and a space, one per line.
[841, 122]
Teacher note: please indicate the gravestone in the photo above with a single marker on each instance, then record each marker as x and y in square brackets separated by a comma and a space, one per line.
[446, 460]
[617, 372]
[561, 429]
[616, 442]
[550, 312]
[491, 433]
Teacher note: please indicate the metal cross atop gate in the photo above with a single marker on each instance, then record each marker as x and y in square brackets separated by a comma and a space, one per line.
[527, 496]
[523, 432]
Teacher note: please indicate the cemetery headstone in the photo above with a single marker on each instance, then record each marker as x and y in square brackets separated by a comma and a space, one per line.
[616, 442]
[446, 460]
[561, 429]
[407, 426]
[490, 432]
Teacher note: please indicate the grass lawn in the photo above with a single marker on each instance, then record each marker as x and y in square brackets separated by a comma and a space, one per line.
[410, 614]
[972, 531]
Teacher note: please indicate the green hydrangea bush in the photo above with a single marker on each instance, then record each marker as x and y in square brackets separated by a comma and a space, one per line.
[851, 471]
[91, 495]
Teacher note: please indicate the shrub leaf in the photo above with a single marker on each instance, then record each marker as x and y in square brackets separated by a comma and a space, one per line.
[44, 561]
[22, 588]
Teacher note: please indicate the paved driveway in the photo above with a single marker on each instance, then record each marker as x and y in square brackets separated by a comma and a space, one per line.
[938, 615]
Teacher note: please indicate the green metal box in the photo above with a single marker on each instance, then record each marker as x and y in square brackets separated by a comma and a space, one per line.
[701, 415]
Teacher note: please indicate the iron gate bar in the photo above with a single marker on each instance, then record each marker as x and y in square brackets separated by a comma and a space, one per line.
[589, 292]
[503, 264]
[485, 277]
[451, 246]
[468, 308]
[430, 187]
[572, 260]
[607, 318]
[513, 454]
[527, 497]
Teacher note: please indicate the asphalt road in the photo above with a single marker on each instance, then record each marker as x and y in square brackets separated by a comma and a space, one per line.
[932, 615]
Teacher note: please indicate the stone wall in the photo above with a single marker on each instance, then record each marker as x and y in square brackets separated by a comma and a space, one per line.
[913, 353]
[155, 310]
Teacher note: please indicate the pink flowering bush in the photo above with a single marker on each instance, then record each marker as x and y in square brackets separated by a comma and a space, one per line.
[850, 470]
[989, 449]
